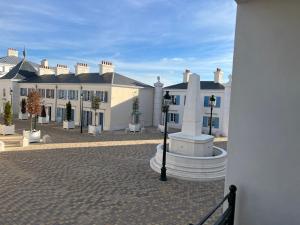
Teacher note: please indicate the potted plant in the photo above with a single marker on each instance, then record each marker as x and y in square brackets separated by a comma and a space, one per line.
[94, 129]
[33, 108]
[68, 123]
[7, 127]
[135, 116]
[23, 115]
[43, 118]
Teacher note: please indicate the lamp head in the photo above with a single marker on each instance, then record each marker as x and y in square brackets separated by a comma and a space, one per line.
[167, 99]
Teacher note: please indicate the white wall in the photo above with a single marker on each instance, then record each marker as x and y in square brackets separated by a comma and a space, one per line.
[264, 150]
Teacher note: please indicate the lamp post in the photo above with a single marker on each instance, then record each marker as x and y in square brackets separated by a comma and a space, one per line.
[81, 111]
[166, 103]
[212, 101]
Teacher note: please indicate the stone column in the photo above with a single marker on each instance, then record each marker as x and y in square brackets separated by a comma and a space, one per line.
[226, 107]
[192, 119]
[158, 95]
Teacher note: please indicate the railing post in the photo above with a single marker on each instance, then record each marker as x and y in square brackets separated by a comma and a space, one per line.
[231, 203]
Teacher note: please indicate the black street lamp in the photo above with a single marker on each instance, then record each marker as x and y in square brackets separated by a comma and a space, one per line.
[81, 111]
[166, 103]
[212, 101]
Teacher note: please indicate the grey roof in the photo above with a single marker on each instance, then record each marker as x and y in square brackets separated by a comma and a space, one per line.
[13, 60]
[23, 70]
[205, 85]
[27, 73]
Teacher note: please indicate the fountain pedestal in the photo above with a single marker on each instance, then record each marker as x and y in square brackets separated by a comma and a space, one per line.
[191, 154]
[199, 146]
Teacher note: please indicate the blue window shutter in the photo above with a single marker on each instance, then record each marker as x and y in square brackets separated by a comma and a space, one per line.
[216, 122]
[168, 117]
[205, 121]
[177, 99]
[206, 101]
[218, 102]
[176, 118]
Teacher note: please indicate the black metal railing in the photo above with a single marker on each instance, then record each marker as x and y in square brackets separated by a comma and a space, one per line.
[227, 218]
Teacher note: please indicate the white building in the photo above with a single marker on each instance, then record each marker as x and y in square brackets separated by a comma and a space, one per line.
[56, 89]
[220, 115]
[10, 60]
[263, 147]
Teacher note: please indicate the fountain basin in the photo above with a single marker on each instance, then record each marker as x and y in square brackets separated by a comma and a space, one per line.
[192, 168]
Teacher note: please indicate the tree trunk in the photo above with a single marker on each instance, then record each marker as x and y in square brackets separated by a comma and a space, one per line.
[30, 122]
[35, 117]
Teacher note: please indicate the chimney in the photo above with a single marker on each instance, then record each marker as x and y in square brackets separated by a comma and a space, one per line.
[106, 67]
[45, 62]
[81, 68]
[186, 75]
[218, 76]
[12, 52]
[61, 69]
[44, 68]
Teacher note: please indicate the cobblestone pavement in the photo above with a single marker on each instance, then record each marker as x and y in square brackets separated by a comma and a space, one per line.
[104, 185]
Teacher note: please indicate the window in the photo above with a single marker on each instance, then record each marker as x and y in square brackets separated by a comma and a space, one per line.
[173, 117]
[42, 93]
[175, 99]
[62, 94]
[87, 95]
[23, 91]
[207, 101]
[49, 93]
[103, 95]
[215, 122]
[30, 90]
[4, 92]
[72, 95]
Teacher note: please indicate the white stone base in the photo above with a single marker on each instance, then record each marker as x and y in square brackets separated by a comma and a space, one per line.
[68, 124]
[31, 136]
[23, 116]
[42, 120]
[187, 145]
[161, 128]
[7, 129]
[134, 127]
[94, 129]
[192, 168]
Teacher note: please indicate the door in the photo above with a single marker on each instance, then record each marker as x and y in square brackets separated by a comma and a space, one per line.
[87, 118]
[49, 112]
[101, 119]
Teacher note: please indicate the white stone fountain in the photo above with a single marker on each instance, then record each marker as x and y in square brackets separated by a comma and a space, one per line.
[191, 154]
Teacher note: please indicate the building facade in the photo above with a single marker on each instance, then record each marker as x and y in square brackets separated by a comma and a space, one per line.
[57, 86]
[217, 87]
[116, 93]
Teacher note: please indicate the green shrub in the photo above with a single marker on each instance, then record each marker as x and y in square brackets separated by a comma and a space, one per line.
[69, 111]
[8, 117]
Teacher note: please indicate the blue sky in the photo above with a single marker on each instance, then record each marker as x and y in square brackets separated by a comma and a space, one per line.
[143, 38]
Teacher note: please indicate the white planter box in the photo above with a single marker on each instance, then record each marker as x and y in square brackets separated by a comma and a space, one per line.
[7, 129]
[23, 116]
[161, 128]
[134, 127]
[32, 136]
[43, 119]
[94, 129]
[68, 124]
